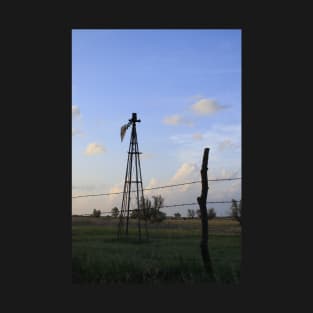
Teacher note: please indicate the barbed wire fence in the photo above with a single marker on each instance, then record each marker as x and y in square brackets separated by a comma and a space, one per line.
[160, 187]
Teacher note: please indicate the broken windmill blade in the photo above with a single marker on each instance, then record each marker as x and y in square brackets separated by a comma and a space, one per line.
[123, 130]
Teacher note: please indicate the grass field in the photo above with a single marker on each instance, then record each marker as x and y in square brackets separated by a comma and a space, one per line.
[171, 255]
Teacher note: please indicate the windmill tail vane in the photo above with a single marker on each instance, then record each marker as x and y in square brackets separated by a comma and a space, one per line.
[123, 130]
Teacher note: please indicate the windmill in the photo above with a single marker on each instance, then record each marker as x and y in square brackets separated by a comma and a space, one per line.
[132, 176]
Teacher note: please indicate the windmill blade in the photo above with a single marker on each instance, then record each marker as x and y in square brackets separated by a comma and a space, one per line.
[123, 130]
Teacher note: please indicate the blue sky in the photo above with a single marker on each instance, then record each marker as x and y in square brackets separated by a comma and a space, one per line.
[184, 85]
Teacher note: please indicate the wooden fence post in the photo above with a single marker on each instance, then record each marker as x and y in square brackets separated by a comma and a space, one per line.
[204, 216]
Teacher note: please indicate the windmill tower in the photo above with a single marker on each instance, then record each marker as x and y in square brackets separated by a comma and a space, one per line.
[133, 178]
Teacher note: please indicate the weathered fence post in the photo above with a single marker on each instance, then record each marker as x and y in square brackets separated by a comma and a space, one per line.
[204, 216]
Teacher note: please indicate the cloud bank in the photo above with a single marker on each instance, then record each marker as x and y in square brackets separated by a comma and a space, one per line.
[176, 120]
[206, 107]
[94, 149]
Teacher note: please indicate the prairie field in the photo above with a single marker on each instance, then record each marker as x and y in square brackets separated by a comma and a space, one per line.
[171, 254]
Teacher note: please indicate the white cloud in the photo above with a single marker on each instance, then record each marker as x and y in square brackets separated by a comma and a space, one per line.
[94, 148]
[75, 111]
[186, 172]
[189, 152]
[227, 190]
[226, 144]
[152, 183]
[172, 120]
[114, 199]
[145, 156]
[196, 97]
[176, 120]
[115, 189]
[219, 138]
[223, 172]
[206, 107]
[76, 132]
[197, 136]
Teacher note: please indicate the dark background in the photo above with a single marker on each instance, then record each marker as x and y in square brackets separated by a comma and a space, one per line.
[37, 158]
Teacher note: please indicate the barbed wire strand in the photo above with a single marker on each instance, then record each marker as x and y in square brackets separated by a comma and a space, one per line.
[160, 187]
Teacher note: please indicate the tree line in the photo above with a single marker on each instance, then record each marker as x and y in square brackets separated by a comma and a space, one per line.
[153, 214]
[149, 210]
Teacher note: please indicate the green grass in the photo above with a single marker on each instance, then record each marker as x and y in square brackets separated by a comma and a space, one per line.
[171, 255]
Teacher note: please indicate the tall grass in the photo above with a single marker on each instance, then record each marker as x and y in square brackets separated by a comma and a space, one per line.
[172, 255]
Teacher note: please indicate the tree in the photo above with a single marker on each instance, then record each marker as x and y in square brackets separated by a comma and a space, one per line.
[177, 215]
[157, 215]
[150, 212]
[191, 213]
[134, 213]
[115, 211]
[158, 202]
[96, 213]
[235, 210]
[147, 208]
[161, 216]
[211, 214]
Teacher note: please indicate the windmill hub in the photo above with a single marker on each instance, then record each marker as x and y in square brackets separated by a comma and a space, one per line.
[134, 118]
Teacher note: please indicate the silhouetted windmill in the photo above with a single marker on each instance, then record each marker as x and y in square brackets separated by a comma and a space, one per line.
[133, 176]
